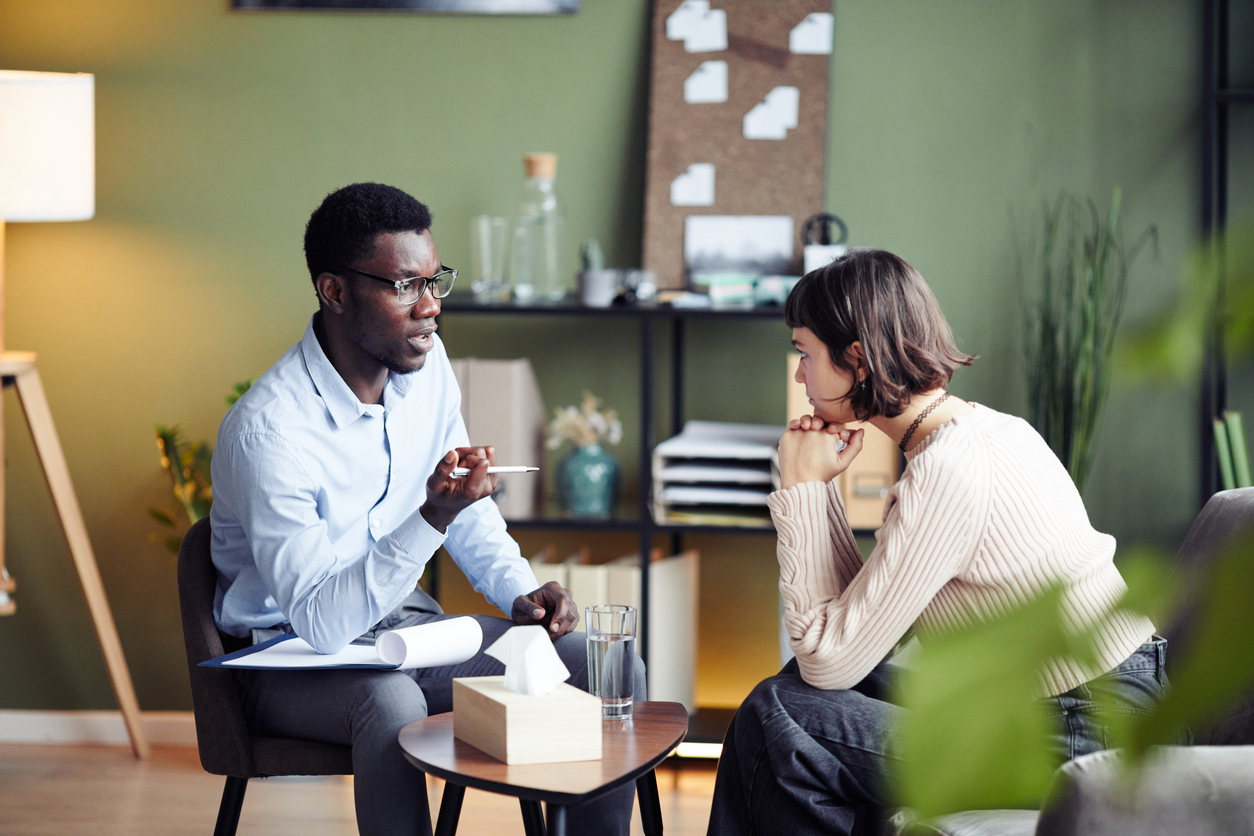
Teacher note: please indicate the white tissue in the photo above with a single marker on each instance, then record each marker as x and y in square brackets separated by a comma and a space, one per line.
[532, 666]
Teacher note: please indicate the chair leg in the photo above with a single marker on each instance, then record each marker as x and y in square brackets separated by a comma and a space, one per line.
[650, 804]
[533, 817]
[232, 802]
[450, 809]
[557, 819]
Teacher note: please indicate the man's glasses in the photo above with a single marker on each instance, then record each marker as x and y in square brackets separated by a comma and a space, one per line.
[409, 291]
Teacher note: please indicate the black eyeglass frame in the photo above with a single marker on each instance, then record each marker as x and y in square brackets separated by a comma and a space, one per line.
[428, 283]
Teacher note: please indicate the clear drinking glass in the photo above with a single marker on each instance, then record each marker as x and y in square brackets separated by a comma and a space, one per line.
[611, 648]
[487, 258]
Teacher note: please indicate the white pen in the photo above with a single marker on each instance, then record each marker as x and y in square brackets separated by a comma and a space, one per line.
[459, 472]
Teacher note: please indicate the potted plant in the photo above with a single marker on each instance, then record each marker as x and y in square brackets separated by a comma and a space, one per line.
[588, 479]
[1074, 280]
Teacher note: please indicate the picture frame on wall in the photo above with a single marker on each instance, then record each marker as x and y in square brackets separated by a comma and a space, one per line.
[487, 7]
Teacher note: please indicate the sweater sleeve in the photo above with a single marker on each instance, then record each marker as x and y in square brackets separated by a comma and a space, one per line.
[840, 629]
[810, 518]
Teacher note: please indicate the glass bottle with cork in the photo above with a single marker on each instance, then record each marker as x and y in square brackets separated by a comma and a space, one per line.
[537, 257]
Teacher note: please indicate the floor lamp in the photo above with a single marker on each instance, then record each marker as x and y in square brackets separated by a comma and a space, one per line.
[47, 173]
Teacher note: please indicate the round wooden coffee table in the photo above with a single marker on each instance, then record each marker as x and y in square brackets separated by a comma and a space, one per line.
[629, 752]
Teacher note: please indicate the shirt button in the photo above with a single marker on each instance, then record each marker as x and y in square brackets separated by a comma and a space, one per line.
[376, 522]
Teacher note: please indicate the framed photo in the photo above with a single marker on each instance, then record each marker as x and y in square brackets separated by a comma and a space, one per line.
[486, 7]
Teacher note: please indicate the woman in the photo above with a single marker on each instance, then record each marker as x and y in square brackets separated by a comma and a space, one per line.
[983, 518]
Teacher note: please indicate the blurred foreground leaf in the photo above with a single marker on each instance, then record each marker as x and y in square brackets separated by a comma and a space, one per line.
[973, 737]
[1216, 288]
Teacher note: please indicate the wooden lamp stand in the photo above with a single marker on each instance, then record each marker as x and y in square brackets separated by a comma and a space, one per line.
[17, 368]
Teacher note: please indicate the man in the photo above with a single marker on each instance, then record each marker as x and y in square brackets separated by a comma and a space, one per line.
[333, 488]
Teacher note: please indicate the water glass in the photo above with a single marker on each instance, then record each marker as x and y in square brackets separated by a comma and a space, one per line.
[487, 258]
[611, 648]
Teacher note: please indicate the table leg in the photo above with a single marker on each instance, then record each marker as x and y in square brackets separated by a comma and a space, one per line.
[450, 809]
[650, 804]
[533, 817]
[557, 819]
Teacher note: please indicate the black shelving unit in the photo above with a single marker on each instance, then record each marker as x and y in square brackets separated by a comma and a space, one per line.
[711, 723]
[1218, 97]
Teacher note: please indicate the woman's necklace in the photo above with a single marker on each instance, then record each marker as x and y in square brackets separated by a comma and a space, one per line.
[905, 439]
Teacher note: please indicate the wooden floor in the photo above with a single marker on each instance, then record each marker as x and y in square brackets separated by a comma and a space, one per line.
[49, 790]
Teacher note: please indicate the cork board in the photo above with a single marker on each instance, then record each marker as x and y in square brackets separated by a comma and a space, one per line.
[775, 177]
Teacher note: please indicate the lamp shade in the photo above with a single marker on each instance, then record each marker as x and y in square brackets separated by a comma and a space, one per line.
[47, 146]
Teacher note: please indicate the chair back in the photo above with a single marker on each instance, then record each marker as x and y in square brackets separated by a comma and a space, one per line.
[1226, 514]
[221, 731]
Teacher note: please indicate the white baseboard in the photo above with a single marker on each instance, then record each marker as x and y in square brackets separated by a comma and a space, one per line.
[163, 728]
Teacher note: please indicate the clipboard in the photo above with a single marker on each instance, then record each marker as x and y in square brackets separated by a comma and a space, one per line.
[432, 645]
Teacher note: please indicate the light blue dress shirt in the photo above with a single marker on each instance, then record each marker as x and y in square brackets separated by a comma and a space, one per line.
[316, 494]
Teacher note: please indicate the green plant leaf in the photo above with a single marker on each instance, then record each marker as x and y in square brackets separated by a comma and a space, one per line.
[162, 517]
[1073, 278]
[237, 392]
[973, 736]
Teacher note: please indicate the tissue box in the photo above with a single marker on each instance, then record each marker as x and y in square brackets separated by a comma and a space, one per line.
[564, 725]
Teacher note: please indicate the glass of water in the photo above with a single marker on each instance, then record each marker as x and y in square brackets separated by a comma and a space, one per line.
[611, 648]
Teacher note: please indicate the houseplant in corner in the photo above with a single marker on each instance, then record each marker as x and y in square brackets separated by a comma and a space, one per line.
[188, 466]
[588, 478]
[1074, 279]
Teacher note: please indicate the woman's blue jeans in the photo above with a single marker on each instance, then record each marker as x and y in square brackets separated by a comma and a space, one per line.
[799, 760]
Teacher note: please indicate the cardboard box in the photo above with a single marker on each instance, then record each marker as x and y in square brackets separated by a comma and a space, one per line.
[564, 725]
[502, 408]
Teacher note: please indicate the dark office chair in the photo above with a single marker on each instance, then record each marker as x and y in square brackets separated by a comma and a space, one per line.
[226, 747]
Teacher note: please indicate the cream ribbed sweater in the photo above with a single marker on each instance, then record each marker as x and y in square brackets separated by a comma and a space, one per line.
[983, 518]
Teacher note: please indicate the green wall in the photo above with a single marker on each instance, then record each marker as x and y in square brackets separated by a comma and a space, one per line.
[218, 132]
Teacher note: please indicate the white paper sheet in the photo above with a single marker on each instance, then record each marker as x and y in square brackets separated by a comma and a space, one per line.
[705, 495]
[701, 28]
[432, 645]
[695, 187]
[707, 84]
[719, 440]
[813, 35]
[773, 116]
[716, 473]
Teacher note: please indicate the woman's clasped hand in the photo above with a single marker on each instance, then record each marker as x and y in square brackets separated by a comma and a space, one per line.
[809, 452]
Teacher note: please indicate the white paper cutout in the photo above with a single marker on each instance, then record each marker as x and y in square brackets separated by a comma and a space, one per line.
[701, 28]
[681, 21]
[532, 666]
[812, 36]
[707, 84]
[695, 187]
[773, 116]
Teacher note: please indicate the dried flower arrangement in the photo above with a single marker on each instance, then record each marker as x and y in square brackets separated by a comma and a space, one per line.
[584, 425]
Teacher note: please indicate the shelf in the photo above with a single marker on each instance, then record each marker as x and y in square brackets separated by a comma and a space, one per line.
[1235, 95]
[464, 303]
[623, 523]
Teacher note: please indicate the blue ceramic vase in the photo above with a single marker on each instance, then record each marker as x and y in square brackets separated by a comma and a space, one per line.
[588, 481]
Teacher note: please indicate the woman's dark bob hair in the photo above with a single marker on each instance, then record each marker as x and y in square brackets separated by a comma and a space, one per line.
[874, 297]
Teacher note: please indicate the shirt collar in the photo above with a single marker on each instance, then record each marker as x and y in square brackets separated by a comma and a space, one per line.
[344, 406]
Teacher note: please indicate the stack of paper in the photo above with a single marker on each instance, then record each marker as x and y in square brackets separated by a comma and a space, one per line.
[715, 473]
